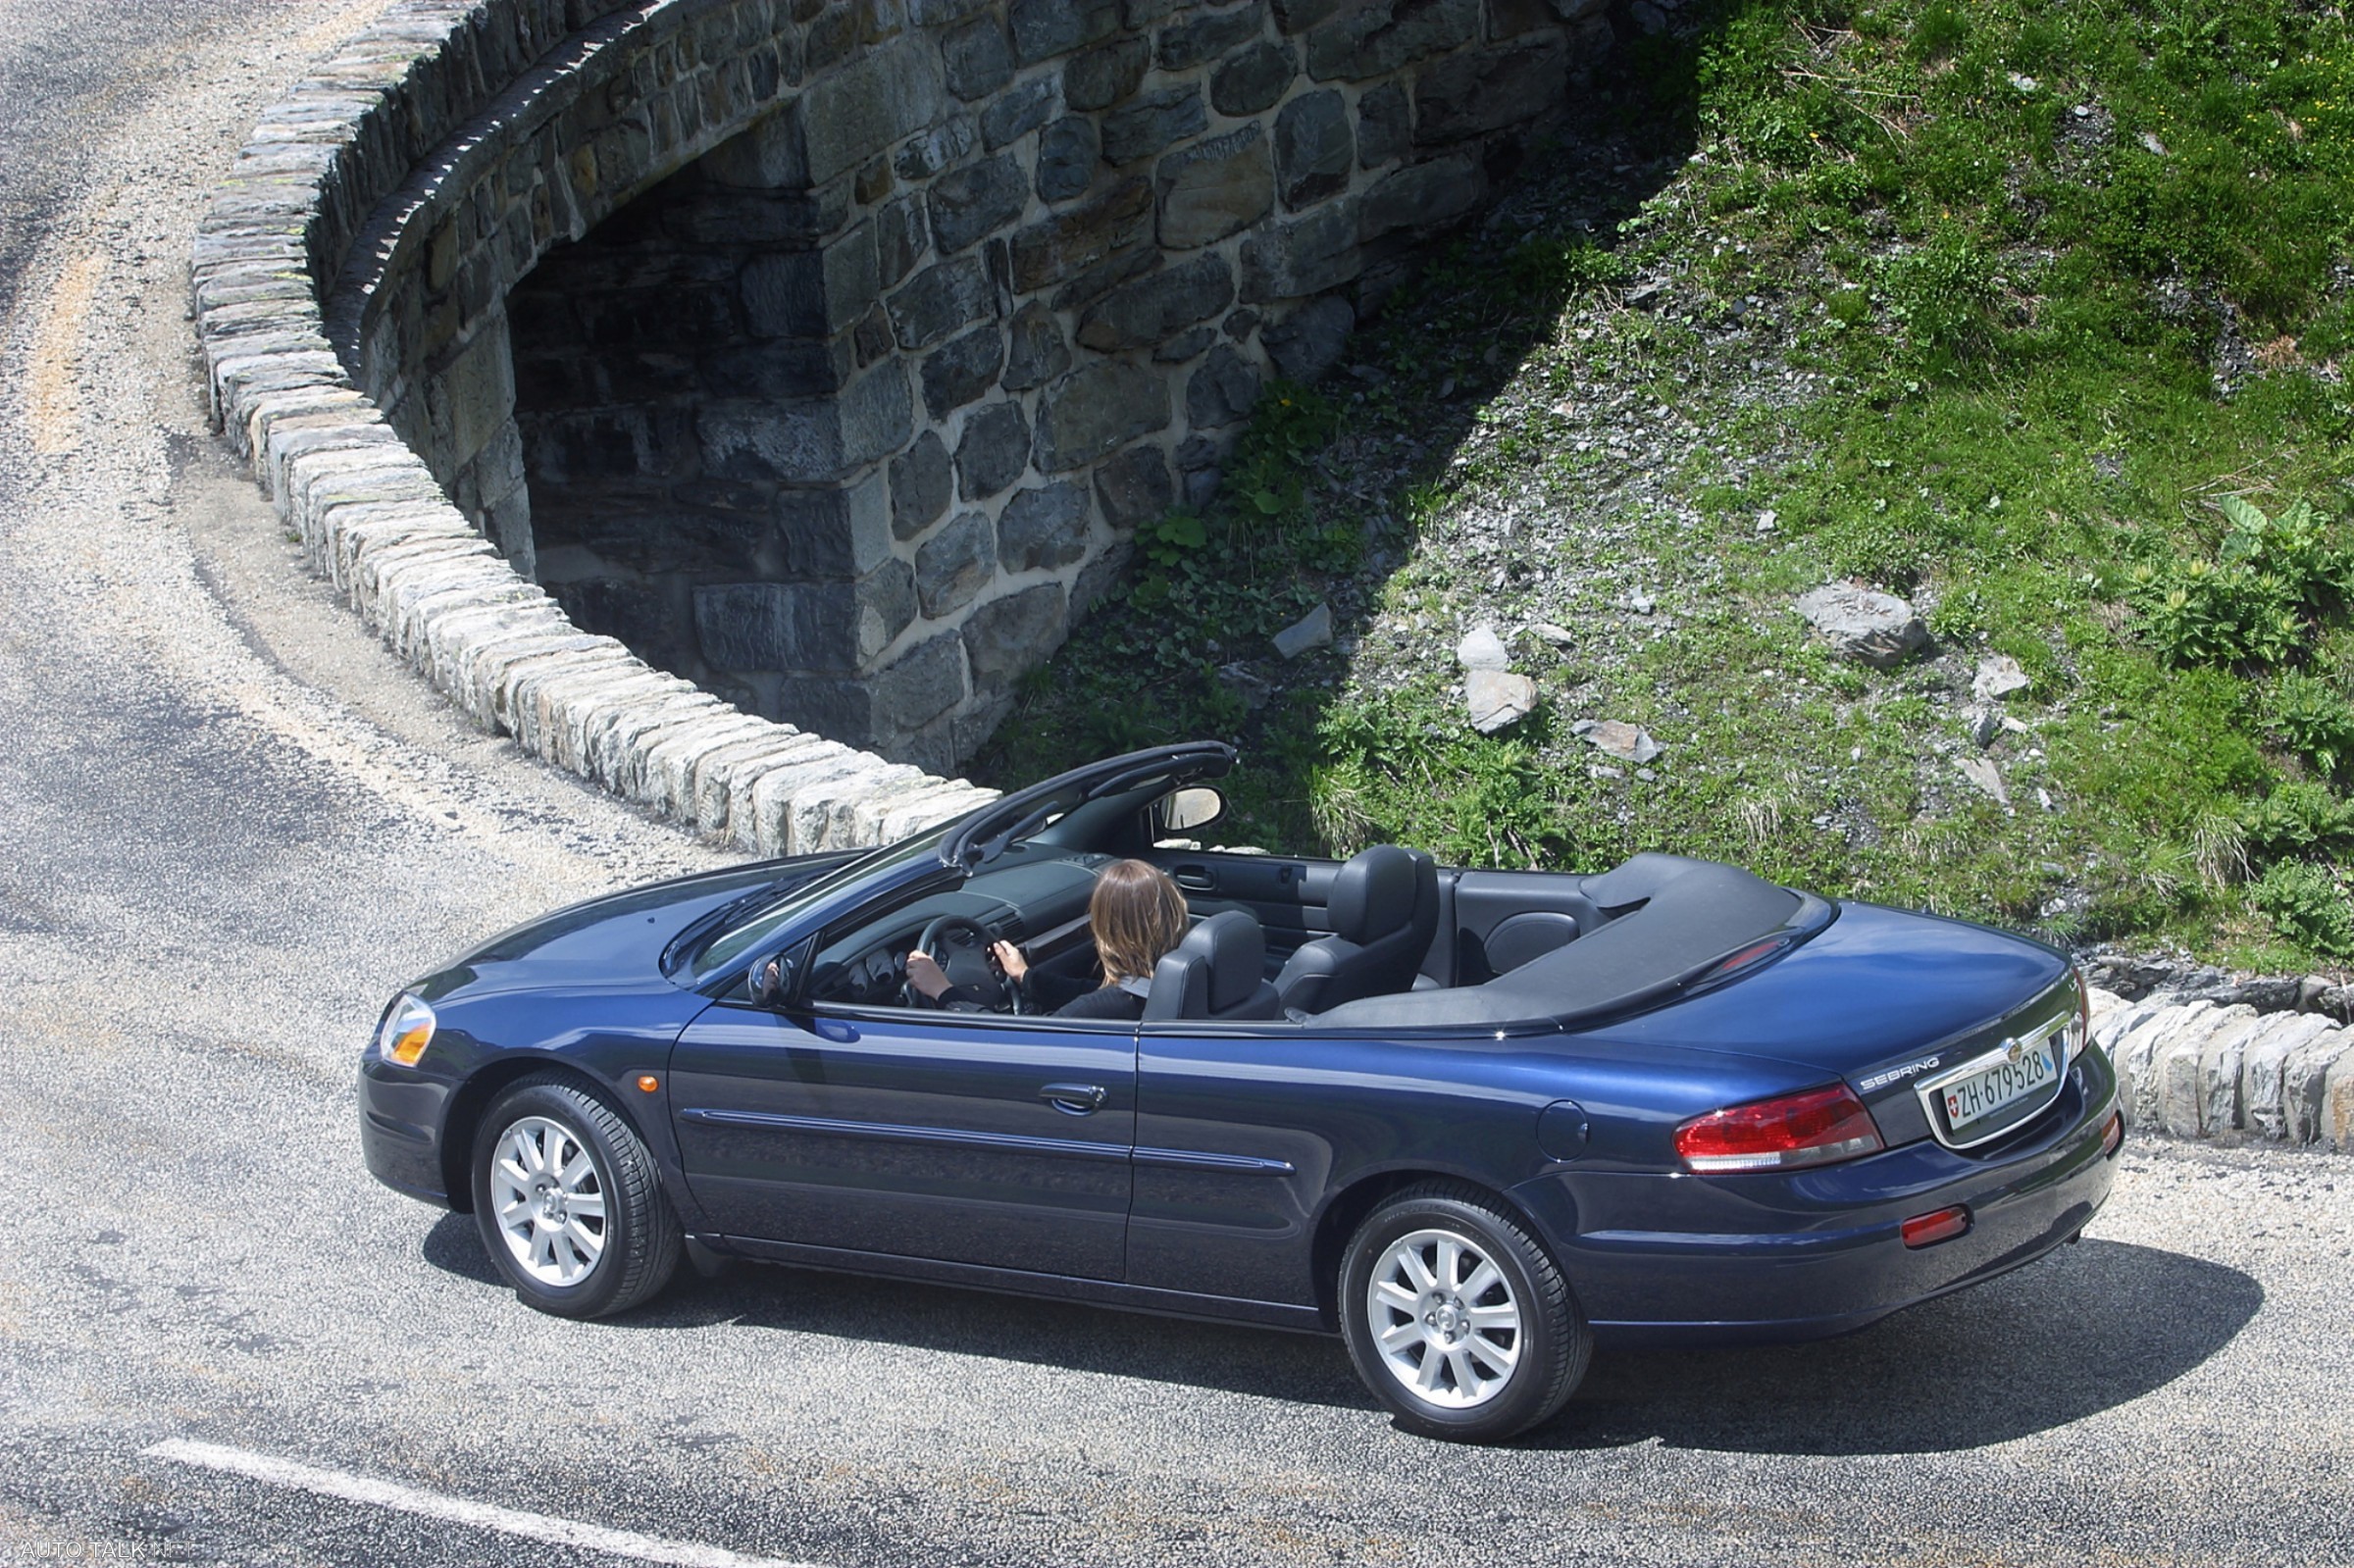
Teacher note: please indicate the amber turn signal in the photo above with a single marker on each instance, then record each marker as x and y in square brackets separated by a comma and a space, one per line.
[648, 1082]
[405, 1033]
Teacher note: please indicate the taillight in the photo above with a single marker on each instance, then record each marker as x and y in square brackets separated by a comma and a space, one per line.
[2079, 1027]
[1816, 1128]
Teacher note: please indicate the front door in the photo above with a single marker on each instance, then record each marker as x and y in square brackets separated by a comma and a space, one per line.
[970, 1138]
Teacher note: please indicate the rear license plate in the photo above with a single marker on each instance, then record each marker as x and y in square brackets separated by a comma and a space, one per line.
[1970, 1099]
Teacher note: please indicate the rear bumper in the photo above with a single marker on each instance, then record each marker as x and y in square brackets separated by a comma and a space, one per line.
[1806, 1255]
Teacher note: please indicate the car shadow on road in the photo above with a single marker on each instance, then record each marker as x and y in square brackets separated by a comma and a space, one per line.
[2093, 1327]
[454, 1246]
[1303, 1368]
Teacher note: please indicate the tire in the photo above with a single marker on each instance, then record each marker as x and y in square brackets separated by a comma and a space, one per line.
[570, 1202]
[1472, 1365]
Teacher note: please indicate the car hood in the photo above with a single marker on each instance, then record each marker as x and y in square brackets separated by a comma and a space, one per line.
[616, 940]
[1875, 985]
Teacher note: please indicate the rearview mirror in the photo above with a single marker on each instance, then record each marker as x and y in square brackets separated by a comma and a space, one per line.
[771, 980]
[1196, 807]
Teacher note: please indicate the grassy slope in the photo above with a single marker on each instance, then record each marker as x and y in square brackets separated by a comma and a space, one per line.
[1993, 305]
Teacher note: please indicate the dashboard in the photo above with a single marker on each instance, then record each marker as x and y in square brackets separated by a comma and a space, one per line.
[1034, 896]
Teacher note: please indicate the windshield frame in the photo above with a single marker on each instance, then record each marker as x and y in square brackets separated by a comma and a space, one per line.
[757, 933]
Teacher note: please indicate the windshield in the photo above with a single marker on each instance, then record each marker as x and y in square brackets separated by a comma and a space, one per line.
[756, 929]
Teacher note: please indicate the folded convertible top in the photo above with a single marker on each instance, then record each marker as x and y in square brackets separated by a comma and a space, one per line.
[1673, 920]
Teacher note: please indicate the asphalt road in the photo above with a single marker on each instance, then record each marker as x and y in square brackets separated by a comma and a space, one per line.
[229, 827]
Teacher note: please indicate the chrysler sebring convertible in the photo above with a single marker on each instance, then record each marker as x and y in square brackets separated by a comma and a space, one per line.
[1476, 1122]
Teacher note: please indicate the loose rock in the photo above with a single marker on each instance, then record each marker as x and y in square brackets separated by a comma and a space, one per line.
[1311, 630]
[1498, 698]
[1615, 738]
[1879, 630]
[1999, 675]
[1482, 649]
[1988, 777]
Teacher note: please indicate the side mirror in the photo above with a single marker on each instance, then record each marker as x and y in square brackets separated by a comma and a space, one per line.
[771, 980]
[1197, 807]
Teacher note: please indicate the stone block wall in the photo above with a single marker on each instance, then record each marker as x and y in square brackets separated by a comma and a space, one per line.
[314, 242]
[849, 418]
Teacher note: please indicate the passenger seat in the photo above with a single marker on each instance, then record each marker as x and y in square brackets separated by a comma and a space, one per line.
[1384, 908]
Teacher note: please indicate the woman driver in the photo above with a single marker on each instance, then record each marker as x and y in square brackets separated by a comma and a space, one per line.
[1138, 915]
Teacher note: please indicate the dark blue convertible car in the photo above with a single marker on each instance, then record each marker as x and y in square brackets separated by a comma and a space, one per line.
[1476, 1121]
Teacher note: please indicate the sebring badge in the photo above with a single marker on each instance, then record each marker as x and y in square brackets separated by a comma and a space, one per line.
[1897, 1074]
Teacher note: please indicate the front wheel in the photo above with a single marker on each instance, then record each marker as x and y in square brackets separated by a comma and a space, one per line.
[569, 1203]
[1456, 1317]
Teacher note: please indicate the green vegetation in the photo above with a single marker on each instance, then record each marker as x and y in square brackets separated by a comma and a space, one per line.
[2033, 313]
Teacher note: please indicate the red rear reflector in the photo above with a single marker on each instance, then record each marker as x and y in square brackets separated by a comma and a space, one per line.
[1927, 1229]
[1816, 1128]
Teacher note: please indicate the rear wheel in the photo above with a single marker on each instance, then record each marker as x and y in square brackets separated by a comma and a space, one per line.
[1456, 1317]
[569, 1201]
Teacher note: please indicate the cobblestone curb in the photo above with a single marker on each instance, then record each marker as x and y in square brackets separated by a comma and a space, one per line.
[280, 230]
[2230, 1073]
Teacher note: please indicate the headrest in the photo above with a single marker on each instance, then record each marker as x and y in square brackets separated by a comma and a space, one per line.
[1217, 968]
[1373, 894]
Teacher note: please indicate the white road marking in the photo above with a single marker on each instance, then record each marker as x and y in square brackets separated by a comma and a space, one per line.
[457, 1510]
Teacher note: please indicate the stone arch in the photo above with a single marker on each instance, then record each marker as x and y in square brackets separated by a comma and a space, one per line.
[1046, 253]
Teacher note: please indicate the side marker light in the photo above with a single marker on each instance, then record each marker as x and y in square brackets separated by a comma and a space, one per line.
[648, 1082]
[2113, 1137]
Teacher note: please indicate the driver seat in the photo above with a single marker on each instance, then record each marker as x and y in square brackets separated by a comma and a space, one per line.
[1218, 973]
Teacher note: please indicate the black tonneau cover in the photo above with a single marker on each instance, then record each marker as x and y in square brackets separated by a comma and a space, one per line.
[1673, 920]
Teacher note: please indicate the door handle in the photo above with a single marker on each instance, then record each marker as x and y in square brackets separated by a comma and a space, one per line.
[1194, 878]
[1074, 1099]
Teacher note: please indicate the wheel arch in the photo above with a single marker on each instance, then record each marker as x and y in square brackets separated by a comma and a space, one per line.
[474, 1099]
[1348, 1207]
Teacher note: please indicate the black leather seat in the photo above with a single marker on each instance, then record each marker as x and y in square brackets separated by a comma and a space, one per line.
[1217, 973]
[1384, 908]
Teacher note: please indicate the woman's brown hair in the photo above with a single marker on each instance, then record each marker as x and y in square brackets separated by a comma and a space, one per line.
[1139, 914]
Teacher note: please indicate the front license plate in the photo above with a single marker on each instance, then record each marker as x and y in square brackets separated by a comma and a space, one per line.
[1970, 1100]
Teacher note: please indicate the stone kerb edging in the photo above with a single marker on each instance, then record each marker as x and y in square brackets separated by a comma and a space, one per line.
[371, 516]
[2229, 1073]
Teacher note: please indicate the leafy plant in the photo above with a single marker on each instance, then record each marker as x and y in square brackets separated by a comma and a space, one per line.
[2309, 904]
[2298, 820]
[2252, 604]
[2198, 613]
[1173, 538]
[2313, 719]
[2294, 548]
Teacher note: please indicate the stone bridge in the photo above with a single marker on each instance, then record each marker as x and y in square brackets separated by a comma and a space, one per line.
[825, 352]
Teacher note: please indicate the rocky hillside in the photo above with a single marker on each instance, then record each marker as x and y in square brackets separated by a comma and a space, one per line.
[2017, 329]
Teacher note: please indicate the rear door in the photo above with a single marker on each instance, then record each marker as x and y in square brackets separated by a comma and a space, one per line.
[1246, 1131]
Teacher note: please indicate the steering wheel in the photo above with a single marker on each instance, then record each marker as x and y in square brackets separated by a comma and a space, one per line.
[960, 948]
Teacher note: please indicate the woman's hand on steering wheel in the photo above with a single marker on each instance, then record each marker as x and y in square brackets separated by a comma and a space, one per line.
[1011, 960]
[951, 968]
[925, 977]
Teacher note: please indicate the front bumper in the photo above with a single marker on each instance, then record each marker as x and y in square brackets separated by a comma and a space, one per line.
[1769, 1256]
[402, 1115]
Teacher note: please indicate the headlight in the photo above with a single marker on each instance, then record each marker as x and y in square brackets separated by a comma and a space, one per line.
[405, 1033]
